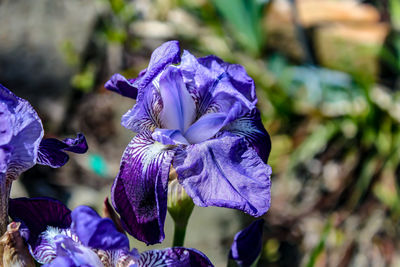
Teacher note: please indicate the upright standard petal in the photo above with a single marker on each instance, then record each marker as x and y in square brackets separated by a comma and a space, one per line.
[166, 54]
[179, 110]
[247, 244]
[225, 172]
[139, 193]
[174, 257]
[27, 132]
[251, 128]
[97, 232]
[218, 86]
[51, 150]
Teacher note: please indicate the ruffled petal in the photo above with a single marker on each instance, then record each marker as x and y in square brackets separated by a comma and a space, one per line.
[39, 213]
[247, 244]
[51, 150]
[122, 86]
[218, 86]
[174, 257]
[179, 110]
[144, 116]
[27, 132]
[139, 193]
[225, 172]
[166, 54]
[97, 232]
[251, 128]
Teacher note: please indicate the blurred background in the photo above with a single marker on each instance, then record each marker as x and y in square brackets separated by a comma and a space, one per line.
[327, 76]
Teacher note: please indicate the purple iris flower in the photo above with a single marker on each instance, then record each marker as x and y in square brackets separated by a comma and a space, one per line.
[198, 115]
[58, 237]
[247, 244]
[22, 145]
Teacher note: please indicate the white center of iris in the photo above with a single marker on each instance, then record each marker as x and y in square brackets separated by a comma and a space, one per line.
[179, 113]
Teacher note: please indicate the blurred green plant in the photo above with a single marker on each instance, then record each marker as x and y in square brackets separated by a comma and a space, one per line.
[244, 16]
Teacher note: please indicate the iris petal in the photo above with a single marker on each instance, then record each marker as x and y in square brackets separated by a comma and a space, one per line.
[205, 127]
[174, 257]
[225, 172]
[139, 193]
[97, 232]
[51, 150]
[247, 244]
[251, 128]
[27, 132]
[38, 213]
[144, 116]
[122, 86]
[169, 137]
[179, 109]
[166, 54]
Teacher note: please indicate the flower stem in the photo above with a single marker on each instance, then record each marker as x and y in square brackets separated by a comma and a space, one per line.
[179, 234]
[5, 187]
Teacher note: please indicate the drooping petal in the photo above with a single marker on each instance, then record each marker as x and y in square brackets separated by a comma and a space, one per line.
[169, 137]
[251, 128]
[179, 110]
[247, 244]
[144, 116]
[225, 172]
[27, 132]
[139, 193]
[174, 257]
[51, 150]
[205, 127]
[166, 54]
[97, 232]
[5, 156]
[39, 213]
[122, 86]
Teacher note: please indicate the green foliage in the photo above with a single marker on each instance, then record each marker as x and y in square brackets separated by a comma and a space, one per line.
[244, 16]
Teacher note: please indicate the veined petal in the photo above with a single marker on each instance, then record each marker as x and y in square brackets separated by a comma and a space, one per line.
[251, 128]
[179, 110]
[247, 244]
[205, 127]
[51, 150]
[122, 86]
[169, 137]
[39, 213]
[97, 232]
[27, 132]
[166, 54]
[5, 156]
[144, 116]
[174, 257]
[139, 193]
[225, 172]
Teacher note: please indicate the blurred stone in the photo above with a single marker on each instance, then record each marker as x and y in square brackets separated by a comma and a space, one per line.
[352, 48]
[316, 12]
[41, 43]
